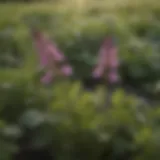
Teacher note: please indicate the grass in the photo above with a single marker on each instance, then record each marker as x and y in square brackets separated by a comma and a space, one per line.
[123, 10]
[79, 6]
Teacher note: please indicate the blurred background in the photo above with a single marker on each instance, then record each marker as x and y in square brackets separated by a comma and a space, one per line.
[53, 124]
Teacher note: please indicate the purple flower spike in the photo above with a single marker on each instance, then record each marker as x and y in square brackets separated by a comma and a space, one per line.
[67, 70]
[107, 61]
[47, 78]
[50, 57]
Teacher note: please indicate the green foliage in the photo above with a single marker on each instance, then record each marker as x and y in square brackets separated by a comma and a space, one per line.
[78, 124]
[75, 123]
[79, 32]
[22, 1]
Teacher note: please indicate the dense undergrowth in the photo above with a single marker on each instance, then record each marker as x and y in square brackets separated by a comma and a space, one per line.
[74, 123]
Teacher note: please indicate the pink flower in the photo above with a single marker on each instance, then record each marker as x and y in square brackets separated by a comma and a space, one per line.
[98, 72]
[113, 77]
[50, 57]
[107, 61]
[47, 78]
[66, 70]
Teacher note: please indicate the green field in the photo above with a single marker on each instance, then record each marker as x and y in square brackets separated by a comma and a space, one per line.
[71, 121]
